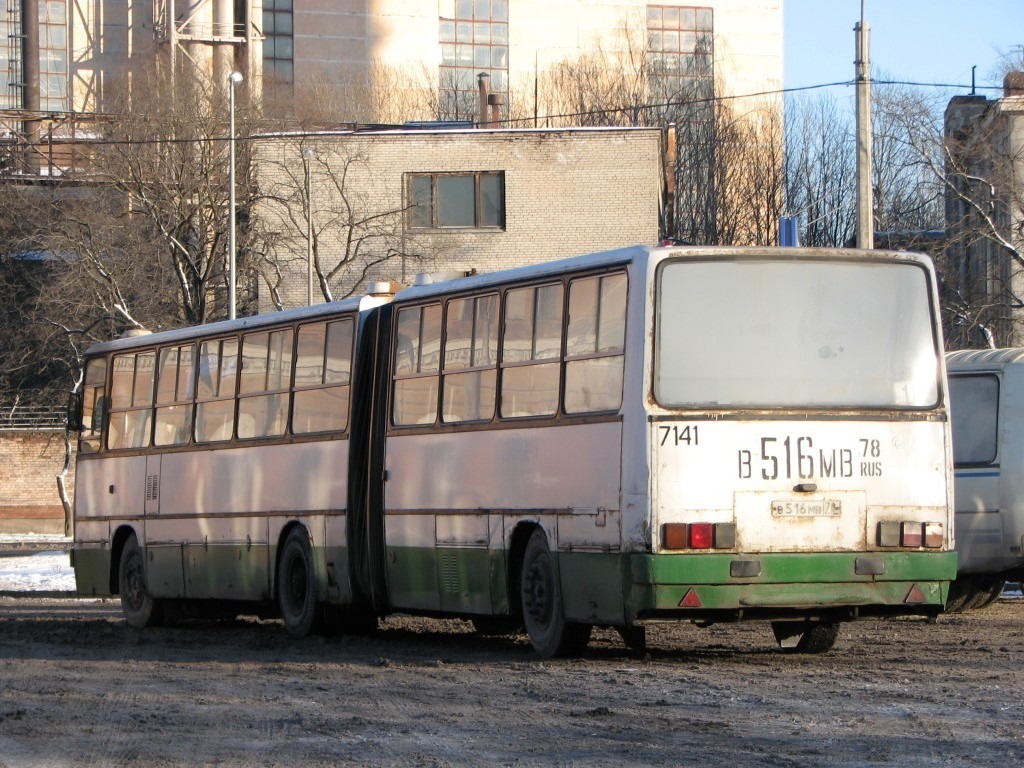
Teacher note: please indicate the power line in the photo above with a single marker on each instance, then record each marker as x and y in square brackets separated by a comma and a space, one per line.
[358, 127]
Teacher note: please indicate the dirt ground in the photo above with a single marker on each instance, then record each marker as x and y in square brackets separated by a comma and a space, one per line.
[79, 688]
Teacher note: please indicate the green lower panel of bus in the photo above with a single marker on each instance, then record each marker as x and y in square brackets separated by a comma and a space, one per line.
[233, 571]
[92, 571]
[680, 584]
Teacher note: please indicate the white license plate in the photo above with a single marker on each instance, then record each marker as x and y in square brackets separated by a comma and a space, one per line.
[807, 508]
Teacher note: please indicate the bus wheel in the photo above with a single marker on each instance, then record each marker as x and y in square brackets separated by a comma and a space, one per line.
[139, 607]
[806, 636]
[961, 592]
[550, 634]
[296, 585]
[988, 591]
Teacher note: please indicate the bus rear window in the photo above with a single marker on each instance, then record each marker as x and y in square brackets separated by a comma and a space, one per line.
[796, 334]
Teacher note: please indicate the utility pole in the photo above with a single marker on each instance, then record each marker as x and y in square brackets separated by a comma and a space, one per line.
[865, 193]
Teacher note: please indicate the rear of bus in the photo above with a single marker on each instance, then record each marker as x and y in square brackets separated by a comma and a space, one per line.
[798, 440]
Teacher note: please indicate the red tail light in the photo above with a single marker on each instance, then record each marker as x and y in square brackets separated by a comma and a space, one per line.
[702, 535]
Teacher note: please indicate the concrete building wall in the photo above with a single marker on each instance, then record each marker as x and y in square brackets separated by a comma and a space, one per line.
[338, 39]
[567, 192]
[29, 465]
[984, 209]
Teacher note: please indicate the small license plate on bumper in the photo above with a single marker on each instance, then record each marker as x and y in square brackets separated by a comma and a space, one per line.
[807, 508]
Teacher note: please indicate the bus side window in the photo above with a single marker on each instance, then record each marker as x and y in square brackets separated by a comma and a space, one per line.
[470, 359]
[594, 345]
[323, 370]
[416, 362]
[531, 351]
[263, 398]
[131, 413]
[974, 406]
[215, 399]
[174, 395]
[94, 403]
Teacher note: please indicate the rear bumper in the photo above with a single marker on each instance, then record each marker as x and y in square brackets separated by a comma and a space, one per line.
[789, 585]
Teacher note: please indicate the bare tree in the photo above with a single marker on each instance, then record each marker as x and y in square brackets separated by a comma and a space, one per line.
[982, 157]
[353, 235]
[166, 157]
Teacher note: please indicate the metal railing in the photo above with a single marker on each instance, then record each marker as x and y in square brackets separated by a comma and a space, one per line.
[32, 418]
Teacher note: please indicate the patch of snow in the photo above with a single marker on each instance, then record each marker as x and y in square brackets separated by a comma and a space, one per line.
[37, 572]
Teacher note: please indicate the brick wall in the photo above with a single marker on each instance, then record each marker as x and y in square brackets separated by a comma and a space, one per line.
[29, 465]
[567, 192]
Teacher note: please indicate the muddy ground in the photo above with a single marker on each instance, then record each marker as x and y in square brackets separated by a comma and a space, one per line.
[79, 688]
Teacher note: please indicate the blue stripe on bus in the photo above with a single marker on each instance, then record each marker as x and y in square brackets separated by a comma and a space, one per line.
[963, 473]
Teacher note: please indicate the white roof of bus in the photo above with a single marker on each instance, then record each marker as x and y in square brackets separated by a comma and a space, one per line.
[983, 358]
[532, 272]
[224, 326]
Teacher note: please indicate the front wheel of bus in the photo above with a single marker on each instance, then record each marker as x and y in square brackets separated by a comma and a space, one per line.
[296, 584]
[806, 636]
[550, 634]
[139, 608]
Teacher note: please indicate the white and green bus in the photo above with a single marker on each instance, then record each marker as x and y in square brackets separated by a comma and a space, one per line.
[648, 434]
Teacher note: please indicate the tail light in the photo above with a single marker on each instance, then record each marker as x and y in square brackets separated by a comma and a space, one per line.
[909, 534]
[698, 536]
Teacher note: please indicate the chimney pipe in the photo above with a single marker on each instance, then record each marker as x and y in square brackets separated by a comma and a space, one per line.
[1013, 84]
[483, 81]
[495, 101]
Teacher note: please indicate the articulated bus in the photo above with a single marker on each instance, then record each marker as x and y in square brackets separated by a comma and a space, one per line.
[647, 434]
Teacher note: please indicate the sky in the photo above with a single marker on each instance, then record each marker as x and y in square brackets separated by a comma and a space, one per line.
[925, 41]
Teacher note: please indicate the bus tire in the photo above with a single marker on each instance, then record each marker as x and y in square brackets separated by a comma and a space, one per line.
[296, 584]
[988, 592]
[806, 637]
[139, 607]
[961, 592]
[550, 634]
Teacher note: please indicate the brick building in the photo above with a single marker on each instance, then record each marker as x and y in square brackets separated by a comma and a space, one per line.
[458, 200]
[30, 460]
[985, 216]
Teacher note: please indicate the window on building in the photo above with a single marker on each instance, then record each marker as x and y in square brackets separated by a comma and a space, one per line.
[456, 200]
[279, 41]
[680, 50]
[53, 55]
[474, 39]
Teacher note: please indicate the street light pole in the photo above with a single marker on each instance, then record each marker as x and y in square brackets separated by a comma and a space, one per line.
[307, 161]
[233, 79]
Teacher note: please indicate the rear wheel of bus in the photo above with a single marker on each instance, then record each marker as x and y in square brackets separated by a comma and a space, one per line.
[550, 634]
[139, 608]
[296, 584]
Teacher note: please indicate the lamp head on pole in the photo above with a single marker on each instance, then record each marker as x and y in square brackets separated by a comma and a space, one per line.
[235, 77]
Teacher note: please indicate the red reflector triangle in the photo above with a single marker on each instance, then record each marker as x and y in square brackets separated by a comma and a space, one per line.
[915, 595]
[690, 600]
